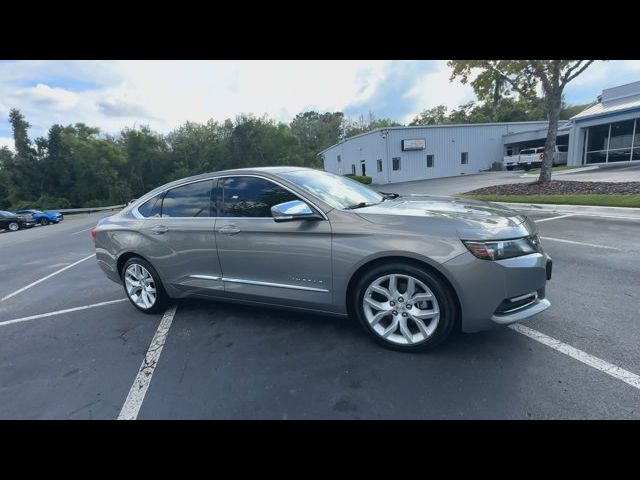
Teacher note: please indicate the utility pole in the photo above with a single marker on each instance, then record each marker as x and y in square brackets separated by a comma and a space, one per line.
[385, 135]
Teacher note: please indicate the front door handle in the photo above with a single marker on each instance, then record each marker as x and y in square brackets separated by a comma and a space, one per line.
[230, 230]
[160, 229]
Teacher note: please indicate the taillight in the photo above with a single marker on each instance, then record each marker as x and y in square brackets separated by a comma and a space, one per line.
[542, 156]
[93, 234]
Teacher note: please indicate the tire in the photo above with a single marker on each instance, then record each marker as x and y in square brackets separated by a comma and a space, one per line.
[44, 221]
[438, 313]
[136, 269]
[526, 167]
[510, 167]
[13, 226]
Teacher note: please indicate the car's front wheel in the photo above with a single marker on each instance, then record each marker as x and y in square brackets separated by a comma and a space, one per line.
[44, 221]
[405, 307]
[143, 286]
[14, 226]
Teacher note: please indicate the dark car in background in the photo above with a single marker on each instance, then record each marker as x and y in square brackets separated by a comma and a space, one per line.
[11, 221]
[42, 218]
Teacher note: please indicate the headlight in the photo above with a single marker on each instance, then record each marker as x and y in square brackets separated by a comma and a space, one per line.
[501, 249]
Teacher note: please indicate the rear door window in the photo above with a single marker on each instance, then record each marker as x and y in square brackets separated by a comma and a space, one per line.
[191, 200]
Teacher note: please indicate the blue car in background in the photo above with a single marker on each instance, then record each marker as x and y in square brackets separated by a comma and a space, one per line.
[42, 218]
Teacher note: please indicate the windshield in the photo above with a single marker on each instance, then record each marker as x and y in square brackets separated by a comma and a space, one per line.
[7, 214]
[336, 190]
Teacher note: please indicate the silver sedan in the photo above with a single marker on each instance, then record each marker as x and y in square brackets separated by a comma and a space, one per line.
[410, 269]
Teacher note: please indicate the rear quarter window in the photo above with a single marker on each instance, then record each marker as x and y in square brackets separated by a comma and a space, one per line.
[151, 208]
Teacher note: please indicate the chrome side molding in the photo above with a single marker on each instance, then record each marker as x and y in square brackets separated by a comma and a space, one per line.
[263, 284]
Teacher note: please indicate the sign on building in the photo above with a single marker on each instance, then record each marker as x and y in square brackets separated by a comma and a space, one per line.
[413, 144]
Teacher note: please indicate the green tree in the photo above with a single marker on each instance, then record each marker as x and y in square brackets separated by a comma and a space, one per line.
[147, 161]
[6, 158]
[523, 77]
[362, 125]
[316, 131]
[432, 116]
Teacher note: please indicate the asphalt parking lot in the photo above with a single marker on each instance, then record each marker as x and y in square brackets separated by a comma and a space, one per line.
[224, 361]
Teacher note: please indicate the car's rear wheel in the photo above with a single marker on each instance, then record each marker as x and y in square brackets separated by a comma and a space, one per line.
[14, 226]
[44, 221]
[143, 286]
[510, 167]
[405, 307]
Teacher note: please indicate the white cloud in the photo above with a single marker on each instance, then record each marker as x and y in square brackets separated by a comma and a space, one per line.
[435, 89]
[177, 91]
[45, 96]
[7, 142]
[164, 94]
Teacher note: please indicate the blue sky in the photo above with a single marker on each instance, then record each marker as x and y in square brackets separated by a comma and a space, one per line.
[164, 94]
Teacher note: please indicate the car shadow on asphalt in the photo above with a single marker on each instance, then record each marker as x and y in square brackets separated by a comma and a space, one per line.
[309, 328]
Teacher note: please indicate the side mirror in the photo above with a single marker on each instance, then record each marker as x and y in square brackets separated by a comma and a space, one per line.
[294, 210]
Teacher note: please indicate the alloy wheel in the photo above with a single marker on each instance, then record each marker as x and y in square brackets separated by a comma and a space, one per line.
[140, 286]
[14, 226]
[401, 309]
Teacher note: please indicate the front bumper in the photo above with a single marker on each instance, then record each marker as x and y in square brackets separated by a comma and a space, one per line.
[530, 310]
[484, 286]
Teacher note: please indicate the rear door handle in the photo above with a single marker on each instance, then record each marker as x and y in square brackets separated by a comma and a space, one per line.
[160, 229]
[230, 230]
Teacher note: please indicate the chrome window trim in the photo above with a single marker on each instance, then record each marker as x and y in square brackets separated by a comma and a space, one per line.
[143, 200]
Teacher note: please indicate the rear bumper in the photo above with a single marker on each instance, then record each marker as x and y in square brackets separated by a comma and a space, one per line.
[108, 264]
[483, 287]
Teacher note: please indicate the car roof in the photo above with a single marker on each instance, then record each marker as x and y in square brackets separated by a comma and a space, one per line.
[269, 171]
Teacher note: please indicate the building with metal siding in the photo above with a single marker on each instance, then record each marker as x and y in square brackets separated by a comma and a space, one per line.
[606, 132]
[380, 155]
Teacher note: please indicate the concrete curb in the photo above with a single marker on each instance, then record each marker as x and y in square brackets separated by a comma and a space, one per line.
[561, 172]
[588, 210]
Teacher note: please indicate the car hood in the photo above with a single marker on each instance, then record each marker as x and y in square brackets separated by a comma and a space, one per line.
[472, 218]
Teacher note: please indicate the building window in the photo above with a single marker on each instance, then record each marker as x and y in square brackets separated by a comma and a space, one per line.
[353, 169]
[464, 158]
[339, 159]
[379, 164]
[612, 142]
[429, 161]
[396, 163]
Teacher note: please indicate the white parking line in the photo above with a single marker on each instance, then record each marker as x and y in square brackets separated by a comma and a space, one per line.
[579, 243]
[80, 231]
[554, 218]
[59, 312]
[617, 217]
[595, 362]
[140, 385]
[6, 297]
